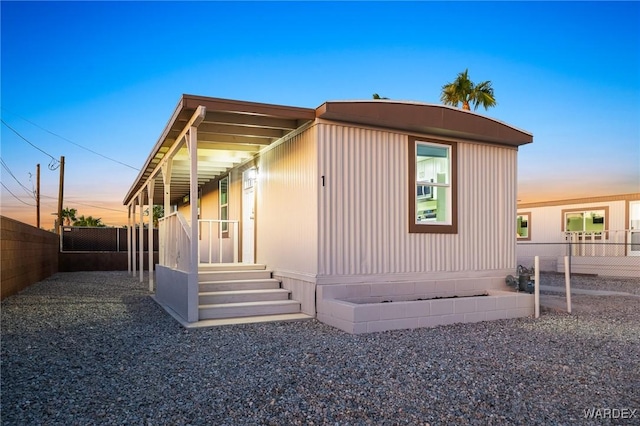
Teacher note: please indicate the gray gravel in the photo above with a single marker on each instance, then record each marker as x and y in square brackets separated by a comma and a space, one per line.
[93, 348]
[589, 282]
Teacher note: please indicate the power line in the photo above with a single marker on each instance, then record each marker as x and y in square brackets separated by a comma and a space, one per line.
[52, 163]
[89, 205]
[15, 196]
[28, 191]
[74, 143]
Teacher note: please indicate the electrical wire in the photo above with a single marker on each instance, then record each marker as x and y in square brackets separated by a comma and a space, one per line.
[73, 143]
[89, 205]
[15, 196]
[27, 190]
[52, 163]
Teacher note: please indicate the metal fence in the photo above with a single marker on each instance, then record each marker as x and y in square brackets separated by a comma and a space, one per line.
[87, 239]
[587, 256]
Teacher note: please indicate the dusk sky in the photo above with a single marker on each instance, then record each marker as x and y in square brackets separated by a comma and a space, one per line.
[89, 80]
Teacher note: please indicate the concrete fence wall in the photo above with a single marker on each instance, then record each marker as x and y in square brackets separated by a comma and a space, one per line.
[28, 255]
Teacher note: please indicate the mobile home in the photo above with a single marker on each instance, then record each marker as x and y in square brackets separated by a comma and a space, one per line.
[601, 234]
[368, 215]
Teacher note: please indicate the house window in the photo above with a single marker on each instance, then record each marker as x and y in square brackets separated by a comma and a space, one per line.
[523, 226]
[432, 186]
[585, 220]
[223, 200]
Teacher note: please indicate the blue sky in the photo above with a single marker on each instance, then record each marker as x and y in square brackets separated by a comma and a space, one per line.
[107, 76]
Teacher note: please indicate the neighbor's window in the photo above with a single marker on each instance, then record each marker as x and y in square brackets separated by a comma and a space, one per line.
[432, 190]
[523, 226]
[223, 200]
[588, 220]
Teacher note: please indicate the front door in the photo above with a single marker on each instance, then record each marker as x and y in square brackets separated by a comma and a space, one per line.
[634, 228]
[248, 215]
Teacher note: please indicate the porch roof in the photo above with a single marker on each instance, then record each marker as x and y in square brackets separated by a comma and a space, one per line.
[231, 132]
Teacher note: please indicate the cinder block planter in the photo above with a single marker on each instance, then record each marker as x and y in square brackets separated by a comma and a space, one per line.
[371, 314]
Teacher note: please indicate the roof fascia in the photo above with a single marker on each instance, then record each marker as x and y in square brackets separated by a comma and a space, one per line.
[194, 121]
[413, 116]
[156, 148]
[635, 196]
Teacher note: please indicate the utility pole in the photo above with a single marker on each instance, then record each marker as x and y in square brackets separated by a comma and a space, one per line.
[38, 196]
[60, 194]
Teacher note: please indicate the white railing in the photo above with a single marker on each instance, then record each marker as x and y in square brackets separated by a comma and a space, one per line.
[218, 241]
[175, 237]
[601, 243]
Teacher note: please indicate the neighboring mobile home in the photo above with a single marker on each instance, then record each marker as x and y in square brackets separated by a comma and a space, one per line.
[344, 207]
[600, 234]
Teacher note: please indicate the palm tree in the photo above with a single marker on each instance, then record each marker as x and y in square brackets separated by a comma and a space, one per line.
[69, 215]
[158, 212]
[89, 221]
[462, 90]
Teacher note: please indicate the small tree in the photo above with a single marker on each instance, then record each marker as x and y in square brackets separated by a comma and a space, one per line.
[158, 212]
[89, 221]
[376, 96]
[69, 215]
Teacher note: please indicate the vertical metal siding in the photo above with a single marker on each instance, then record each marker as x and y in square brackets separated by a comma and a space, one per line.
[546, 221]
[287, 209]
[487, 193]
[363, 207]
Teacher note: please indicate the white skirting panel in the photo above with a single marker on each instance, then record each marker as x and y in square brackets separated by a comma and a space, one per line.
[171, 290]
[303, 291]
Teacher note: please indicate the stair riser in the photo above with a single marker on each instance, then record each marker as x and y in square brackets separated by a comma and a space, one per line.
[236, 312]
[233, 275]
[230, 286]
[230, 267]
[240, 298]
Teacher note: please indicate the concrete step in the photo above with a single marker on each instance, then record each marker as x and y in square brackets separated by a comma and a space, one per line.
[239, 296]
[210, 276]
[248, 309]
[210, 267]
[243, 320]
[236, 285]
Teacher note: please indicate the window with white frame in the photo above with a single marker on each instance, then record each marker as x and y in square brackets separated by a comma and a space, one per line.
[223, 202]
[432, 195]
[585, 220]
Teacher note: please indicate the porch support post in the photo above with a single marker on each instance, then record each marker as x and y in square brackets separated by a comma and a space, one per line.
[133, 238]
[166, 180]
[192, 290]
[129, 238]
[141, 237]
[150, 188]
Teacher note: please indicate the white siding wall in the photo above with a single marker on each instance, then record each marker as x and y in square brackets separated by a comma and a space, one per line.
[364, 208]
[546, 222]
[287, 206]
[546, 227]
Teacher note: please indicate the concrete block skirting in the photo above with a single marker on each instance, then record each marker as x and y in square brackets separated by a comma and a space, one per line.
[366, 314]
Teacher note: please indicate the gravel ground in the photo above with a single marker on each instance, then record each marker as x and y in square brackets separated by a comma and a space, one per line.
[93, 348]
[589, 282]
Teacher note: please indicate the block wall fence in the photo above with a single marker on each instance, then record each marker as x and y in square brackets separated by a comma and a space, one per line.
[28, 255]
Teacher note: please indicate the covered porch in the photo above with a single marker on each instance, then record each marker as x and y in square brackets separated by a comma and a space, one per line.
[203, 141]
